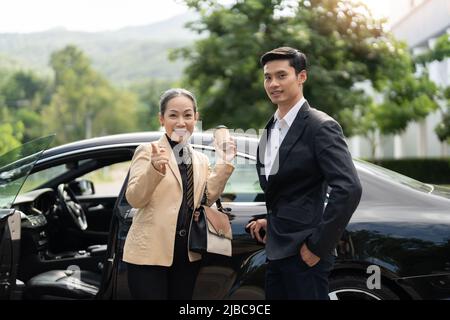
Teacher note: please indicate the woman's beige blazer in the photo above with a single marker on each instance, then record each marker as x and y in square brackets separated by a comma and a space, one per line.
[151, 238]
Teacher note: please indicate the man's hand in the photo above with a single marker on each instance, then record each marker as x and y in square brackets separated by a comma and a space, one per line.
[255, 226]
[159, 158]
[310, 258]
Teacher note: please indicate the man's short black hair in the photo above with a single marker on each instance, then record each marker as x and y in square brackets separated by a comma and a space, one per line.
[296, 58]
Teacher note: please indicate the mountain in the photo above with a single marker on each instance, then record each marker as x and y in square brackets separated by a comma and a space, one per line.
[126, 55]
[172, 28]
[7, 63]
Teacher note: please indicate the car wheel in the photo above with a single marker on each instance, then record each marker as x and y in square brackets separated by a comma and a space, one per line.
[355, 288]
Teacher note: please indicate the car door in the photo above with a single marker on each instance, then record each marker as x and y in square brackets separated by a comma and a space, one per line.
[218, 276]
[9, 251]
[98, 202]
[114, 283]
[15, 167]
[95, 178]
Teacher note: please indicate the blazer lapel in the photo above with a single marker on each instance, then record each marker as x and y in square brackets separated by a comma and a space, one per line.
[261, 152]
[294, 133]
[173, 165]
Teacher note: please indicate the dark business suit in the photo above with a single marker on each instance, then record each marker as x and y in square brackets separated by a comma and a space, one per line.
[312, 156]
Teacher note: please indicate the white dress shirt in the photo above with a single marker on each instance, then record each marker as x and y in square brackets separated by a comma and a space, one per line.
[277, 134]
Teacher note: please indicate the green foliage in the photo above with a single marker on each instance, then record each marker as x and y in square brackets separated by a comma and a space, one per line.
[443, 128]
[149, 93]
[33, 123]
[344, 43]
[137, 61]
[440, 52]
[123, 56]
[77, 103]
[224, 71]
[8, 64]
[24, 89]
[407, 99]
[11, 130]
[10, 136]
[24, 96]
[84, 104]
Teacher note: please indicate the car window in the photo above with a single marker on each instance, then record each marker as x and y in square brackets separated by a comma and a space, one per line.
[243, 185]
[38, 178]
[109, 179]
[15, 166]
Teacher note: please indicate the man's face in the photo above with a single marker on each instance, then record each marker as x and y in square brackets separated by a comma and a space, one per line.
[282, 85]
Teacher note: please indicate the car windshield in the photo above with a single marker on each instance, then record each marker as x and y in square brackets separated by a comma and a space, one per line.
[15, 166]
[394, 176]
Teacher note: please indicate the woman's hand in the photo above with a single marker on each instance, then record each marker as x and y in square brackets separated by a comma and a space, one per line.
[159, 158]
[227, 152]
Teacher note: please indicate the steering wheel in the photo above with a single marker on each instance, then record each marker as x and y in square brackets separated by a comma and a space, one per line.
[70, 206]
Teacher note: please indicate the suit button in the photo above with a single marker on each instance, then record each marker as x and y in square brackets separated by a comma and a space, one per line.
[269, 211]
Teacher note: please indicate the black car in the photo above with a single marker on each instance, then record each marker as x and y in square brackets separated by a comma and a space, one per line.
[63, 237]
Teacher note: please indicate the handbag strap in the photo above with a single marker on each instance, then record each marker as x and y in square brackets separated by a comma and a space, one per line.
[218, 202]
[204, 198]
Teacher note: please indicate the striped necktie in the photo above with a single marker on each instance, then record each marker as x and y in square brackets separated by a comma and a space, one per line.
[187, 159]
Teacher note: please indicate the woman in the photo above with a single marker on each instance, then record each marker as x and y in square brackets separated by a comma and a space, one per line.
[167, 180]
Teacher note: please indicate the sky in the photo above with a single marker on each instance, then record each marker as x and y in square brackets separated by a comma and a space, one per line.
[100, 15]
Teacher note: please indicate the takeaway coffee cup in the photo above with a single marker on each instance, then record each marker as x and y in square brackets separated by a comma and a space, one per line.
[222, 137]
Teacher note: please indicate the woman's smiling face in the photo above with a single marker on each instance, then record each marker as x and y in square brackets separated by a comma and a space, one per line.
[179, 118]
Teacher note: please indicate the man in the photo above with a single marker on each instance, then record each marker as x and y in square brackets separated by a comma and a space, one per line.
[300, 156]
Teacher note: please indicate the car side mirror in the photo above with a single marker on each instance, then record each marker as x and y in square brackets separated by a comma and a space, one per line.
[82, 187]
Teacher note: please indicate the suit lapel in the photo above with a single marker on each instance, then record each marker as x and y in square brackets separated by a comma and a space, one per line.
[294, 133]
[261, 152]
[173, 165]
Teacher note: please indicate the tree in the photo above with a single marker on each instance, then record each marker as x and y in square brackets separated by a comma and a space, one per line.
[408, 99]
[11, 132]
[443, 128]
[440, 52]
[404, 100]
[344, 43]
[24, 89]
[84, 104]
[149, 93]
[25, 95]
[9, 137]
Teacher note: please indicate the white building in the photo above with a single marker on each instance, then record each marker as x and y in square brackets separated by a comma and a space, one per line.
[418, 23]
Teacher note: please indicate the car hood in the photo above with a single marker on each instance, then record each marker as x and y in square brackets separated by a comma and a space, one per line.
[441, 191]
[15, 166]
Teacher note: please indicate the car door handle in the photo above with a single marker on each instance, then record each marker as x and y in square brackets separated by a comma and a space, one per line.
[99, 207]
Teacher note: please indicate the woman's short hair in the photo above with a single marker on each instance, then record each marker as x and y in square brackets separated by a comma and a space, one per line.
[173, 93]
